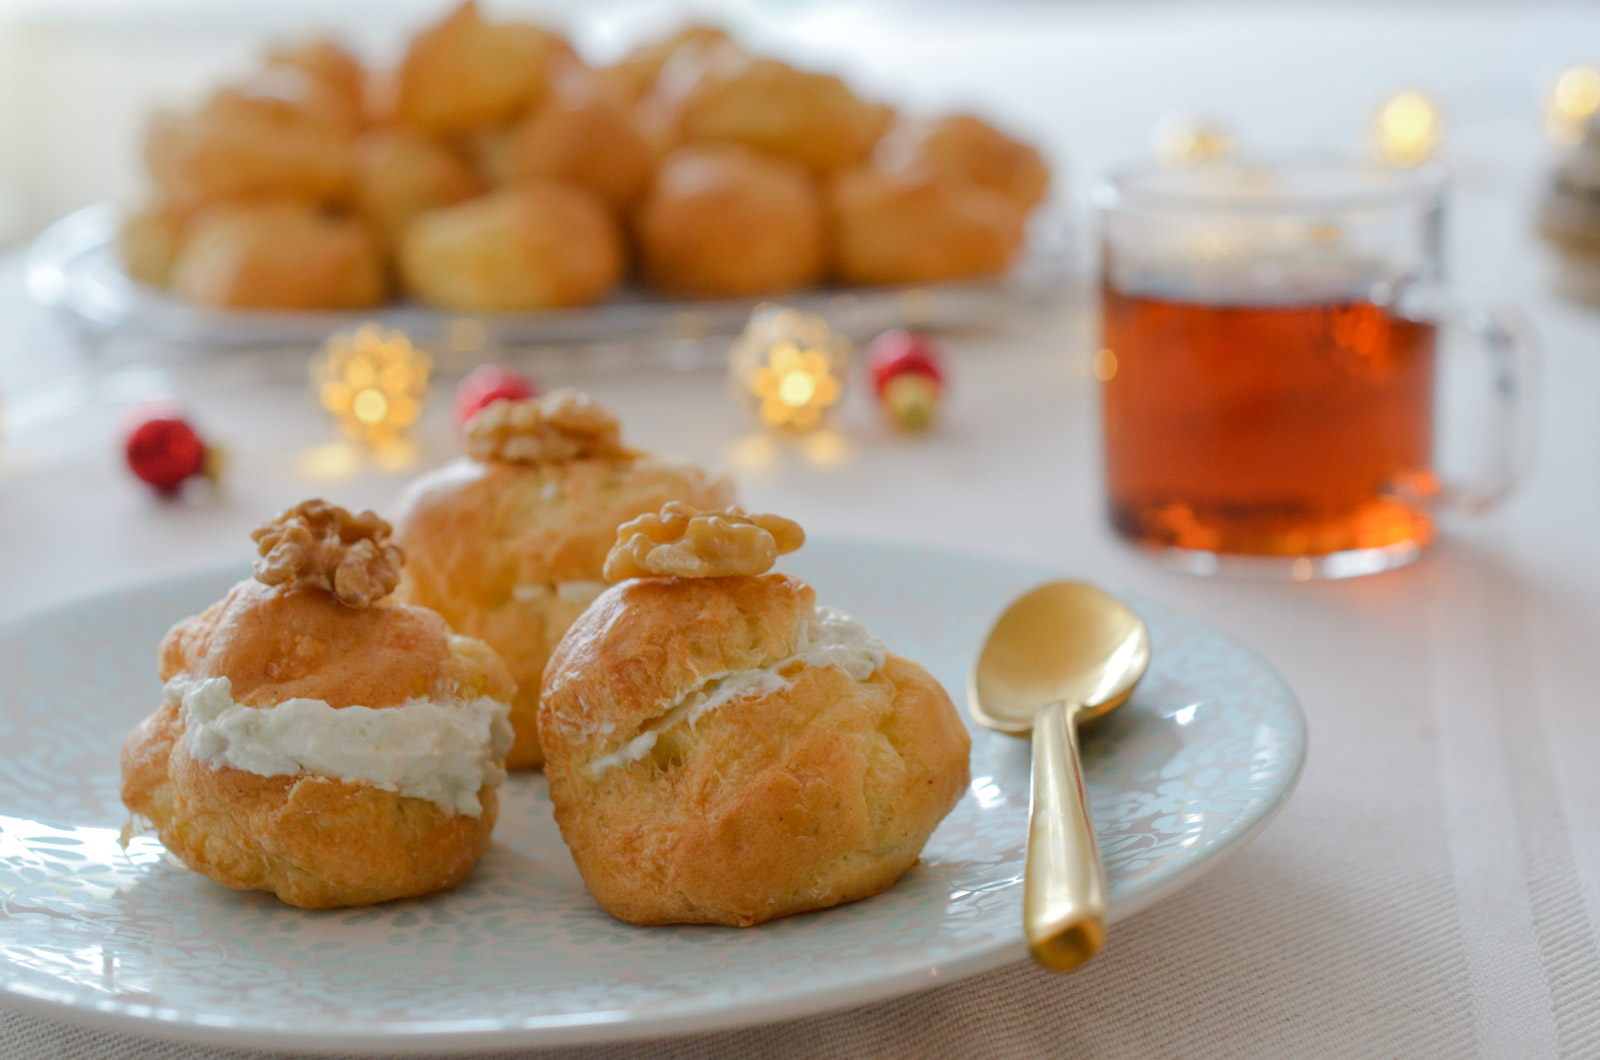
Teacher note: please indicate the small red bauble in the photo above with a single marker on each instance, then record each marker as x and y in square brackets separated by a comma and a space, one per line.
[898, 352]
[907, 378]
[485, 385]
[164, 451]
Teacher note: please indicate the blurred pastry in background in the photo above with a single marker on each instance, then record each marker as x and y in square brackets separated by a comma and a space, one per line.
[282, 132]
[509, 544]
[723, 94]
[328, 63]
[499, 172]
[635, 75]
[532, 245]
[401, 173]
[464, 73]
[279, 254]
[584, 132]
[972, 148]
[724, 221]
[920, 224]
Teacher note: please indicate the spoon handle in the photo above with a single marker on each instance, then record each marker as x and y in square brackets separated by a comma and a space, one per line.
[1064, 890]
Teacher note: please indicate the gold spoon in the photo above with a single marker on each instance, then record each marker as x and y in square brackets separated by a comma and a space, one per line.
[1062, 654]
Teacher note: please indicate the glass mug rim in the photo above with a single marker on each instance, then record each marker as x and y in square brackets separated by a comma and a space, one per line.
[1319, 184]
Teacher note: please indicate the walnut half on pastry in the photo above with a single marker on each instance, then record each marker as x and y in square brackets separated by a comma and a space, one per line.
[316, 739]
[722, 750]
[509, 543]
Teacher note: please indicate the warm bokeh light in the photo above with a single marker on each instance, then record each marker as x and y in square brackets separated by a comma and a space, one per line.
[1181, 141]
[1408, 129]
[373, 381]
[1573, 99]
[789, 366]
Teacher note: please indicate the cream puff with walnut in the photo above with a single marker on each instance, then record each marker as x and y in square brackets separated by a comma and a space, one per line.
[318, 740]
[509, 544]
[722, 750]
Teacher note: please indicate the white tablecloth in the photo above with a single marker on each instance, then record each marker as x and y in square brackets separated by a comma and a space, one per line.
[1432, 889]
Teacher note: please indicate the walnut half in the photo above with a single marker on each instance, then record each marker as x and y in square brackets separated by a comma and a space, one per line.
[325, 546]
[563, 425]
[684, 542]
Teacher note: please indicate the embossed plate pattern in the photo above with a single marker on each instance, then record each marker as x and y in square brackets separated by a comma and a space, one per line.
[1194, 764]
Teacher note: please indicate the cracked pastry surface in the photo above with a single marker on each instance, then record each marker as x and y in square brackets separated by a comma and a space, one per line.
[510, 547]
[332, 752]
[722, 750]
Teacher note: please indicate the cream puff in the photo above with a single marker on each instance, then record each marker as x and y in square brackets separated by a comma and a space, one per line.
[726, 221]
[723, 94]
[277, 254]
[465, 74]
[722, 750]
[584, 133]
[920, 224]
[509, 544]
[971, 148]
[316, 739]
[533, 245]
[279, 133]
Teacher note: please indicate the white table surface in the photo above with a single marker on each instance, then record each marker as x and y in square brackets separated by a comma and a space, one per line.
[1433, 888]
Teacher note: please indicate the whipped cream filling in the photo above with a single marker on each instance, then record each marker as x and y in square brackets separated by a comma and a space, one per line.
[829, 638]
[442, 752]
[580, 591]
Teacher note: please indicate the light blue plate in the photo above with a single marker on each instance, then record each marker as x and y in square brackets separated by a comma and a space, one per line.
[1193, 765]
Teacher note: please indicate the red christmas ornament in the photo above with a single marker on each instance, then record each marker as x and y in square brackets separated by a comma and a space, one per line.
[487, 384]
[907, 378]
[164, 451]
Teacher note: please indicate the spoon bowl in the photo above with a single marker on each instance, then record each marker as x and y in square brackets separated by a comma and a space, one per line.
[1062, 642]
[1063, 653]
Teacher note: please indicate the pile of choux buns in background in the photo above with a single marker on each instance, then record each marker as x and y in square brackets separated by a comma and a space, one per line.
[494, 170]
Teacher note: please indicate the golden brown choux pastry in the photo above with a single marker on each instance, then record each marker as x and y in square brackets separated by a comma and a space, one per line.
[465, 73]
[329, 63]
[721, 750]
[725, 221]
[317, 740]
[509, 544]
[279, 254]
[532, 245]
[973, 148]
[584, 133]
[400, 173]
[280, 133]
[635, 75]
[722, 94]
[919, 225]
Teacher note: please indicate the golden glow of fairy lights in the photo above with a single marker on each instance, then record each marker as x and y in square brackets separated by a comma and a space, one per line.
[373, 381]
[1573, 99]
[1408, 129]
[789, 366]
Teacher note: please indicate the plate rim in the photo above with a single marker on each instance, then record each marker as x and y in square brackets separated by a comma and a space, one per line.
[541, 1032]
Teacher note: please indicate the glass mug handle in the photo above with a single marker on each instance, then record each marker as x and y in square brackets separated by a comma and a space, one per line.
[1507, 342]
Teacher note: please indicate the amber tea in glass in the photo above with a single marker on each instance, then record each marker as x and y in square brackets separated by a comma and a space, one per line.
[1268, 366]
